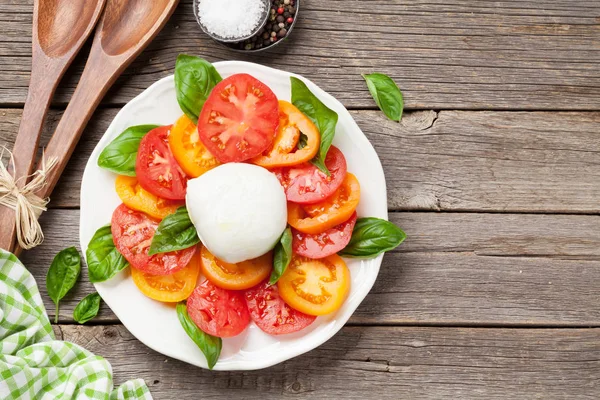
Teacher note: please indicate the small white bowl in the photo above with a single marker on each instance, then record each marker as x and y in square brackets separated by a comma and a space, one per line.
[267, 6]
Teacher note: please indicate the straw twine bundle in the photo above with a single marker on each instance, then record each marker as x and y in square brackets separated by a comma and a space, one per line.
[26, 204]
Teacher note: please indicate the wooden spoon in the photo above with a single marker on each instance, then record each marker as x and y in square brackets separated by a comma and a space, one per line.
[126, 28]
[60, 27]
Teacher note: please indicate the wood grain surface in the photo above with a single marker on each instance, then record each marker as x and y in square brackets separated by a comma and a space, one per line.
[445, 54]
[455, 269]
[494, 173]
[378, 363]
[444, 161]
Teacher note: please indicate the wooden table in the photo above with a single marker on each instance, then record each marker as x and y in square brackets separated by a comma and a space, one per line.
[494, 173]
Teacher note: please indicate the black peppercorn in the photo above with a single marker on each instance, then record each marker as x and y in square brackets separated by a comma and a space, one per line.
[282, 15]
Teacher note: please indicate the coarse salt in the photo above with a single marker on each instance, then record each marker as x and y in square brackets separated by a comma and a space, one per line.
[231, 19]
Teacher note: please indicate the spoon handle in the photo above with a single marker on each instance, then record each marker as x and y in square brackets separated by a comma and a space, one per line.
[26, 145]
[47, 67]
[98, 75]
[113, 49]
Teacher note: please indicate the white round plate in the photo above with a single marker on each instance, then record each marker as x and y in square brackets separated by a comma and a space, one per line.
[155, 324]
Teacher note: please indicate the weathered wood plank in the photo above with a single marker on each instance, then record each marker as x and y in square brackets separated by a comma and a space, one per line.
[458, 269]
[489, 161]
[450, 160]
[378, 362]
[445, 54]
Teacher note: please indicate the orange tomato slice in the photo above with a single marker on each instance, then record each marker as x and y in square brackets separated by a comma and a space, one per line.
[136, 197]
[284, 152]
[188, 150]
[315, 287]
[171, 288]
[238, 276]
[319, 217]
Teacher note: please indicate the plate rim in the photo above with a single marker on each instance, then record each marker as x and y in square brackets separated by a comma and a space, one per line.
[365, 145]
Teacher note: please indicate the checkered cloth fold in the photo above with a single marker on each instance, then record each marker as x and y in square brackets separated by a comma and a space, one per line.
[33, 365]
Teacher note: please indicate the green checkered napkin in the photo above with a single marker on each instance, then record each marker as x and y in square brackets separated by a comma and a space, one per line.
[33, 365]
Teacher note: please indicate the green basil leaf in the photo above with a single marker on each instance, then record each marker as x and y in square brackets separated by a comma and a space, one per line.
[209, 345]
[103, 258]
[302, 141]
[87, 308]
[175, 232]
[120, 154]
[62, 275]
[371, 237]
[195, 78]
[282, 255]
[386, 94]
[323, 117]
[317, 162]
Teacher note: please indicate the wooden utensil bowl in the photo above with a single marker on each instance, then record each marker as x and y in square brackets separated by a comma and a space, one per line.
[127, 22]
[60, 27]
[125, 29]
[59, 34]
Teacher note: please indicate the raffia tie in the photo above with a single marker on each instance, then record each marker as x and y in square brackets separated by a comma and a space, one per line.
[26, 204]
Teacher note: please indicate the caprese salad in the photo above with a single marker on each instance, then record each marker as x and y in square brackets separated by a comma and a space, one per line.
[240, 211]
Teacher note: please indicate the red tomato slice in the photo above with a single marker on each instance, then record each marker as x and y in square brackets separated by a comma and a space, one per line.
[218, 312]
[133, 232]
[156, 168]
[271, 313]
[306, 184]
[324, 244]
[239, 119]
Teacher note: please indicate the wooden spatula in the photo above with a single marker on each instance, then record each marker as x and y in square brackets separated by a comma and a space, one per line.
[125, 29]
[60, 27]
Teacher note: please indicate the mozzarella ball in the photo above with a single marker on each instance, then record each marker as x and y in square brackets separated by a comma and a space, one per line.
[239, 210]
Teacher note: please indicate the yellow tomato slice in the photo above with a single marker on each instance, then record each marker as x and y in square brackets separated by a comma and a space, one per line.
[134, 196]
[283, 153]
[238, 276]
[315, 287]
[188, 150]
[339, 207]
[171, 288]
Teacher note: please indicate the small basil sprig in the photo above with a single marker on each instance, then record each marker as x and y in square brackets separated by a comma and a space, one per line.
[175, 232]
[282, 255]
[371, 237]
[323, 117]
[209, 345]
[87, 308]
[120, 154]
[103, 258]
[62, 275]
[386, 94]
[195, 78]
